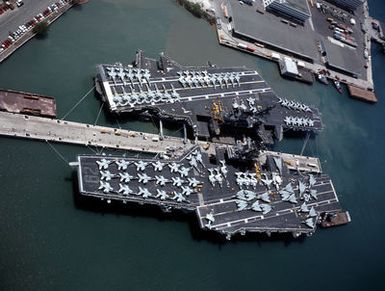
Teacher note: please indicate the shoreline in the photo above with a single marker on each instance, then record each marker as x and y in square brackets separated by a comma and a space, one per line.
[225, 38]
[29, 35]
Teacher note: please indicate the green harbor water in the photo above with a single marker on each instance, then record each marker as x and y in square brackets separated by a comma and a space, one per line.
[49, 242]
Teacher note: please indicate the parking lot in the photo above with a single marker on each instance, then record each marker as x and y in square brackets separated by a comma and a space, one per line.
[326, 19]
[12, 19]
[24, 31]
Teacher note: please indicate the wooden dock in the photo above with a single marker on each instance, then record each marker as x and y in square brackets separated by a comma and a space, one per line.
[362, 94]
[27, 103]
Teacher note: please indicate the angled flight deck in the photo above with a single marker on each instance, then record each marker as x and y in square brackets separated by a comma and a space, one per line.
[272, 192]
[207, 98]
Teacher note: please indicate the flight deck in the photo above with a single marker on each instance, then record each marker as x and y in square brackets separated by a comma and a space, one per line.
[209, 99]
[228, 194]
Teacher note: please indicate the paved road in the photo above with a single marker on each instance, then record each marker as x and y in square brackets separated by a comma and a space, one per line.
[40, 128]
[12, 19]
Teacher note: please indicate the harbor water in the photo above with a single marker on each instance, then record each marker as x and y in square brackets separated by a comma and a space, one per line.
[50, 241]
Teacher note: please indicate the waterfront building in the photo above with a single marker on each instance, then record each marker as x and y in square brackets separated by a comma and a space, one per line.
[295, 10]
[348, 4]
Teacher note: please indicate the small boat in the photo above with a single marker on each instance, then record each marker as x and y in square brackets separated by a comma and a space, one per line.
[334, 219]
[338, 86]
[322, 78]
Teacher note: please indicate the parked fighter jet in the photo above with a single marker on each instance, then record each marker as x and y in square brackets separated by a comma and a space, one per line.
[174, 167]
[122, 164]
[144, 192]
[124, 189]
[158, 166]
[177, 181]
[103, 164]
[106, 175]
[160, 180]
[143, 178]
[161, 194]
[192, 182]
[178, 197]
[105, 186]
[125, 177]
[187, 190]
[183, 171]
[140, 166]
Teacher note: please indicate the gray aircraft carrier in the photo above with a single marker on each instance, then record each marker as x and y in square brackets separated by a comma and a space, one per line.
[234, 187]
[210, 100]
[236, 190]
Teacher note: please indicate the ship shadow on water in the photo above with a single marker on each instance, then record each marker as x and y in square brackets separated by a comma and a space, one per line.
[133, 210]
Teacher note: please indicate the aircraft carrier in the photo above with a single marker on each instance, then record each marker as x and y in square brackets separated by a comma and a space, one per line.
[237, 189]
[212, 101]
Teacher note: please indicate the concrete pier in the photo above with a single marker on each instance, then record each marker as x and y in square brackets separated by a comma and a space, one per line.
[55, 130]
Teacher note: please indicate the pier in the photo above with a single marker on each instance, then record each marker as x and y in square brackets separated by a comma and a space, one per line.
[226, 38]
[55, 130]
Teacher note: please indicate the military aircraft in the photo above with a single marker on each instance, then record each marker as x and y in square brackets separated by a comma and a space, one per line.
[140, 166]
[313, 193]
[103, 164]
[192, 182]
[302, 187]
[310, 222]
[125, 177]
[183, 171]
[292, 199]
[312, 212]
[198, 157]
[278, 163]
[241, 204]
[174, 167]
[144, 192]
[210, 218]
[241, 195]
[160, 180]
[289, 188]
[249, 195]
[267, 181]
[193, 162]
[187, 190]
[125, 189]
[223, 168]
[144, 178]
[147, 75]
[178, 197]
[212, 178]
[264, 197]
[304, 208]
[284, 195]
[106, 175]
[256, 206]
[105, 186]
[161, 194]
[177, 181]
[312, 180]
[158, 166]
[266, 208]
[122, 164]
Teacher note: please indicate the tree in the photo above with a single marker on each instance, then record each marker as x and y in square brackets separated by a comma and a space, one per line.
[41, 28]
